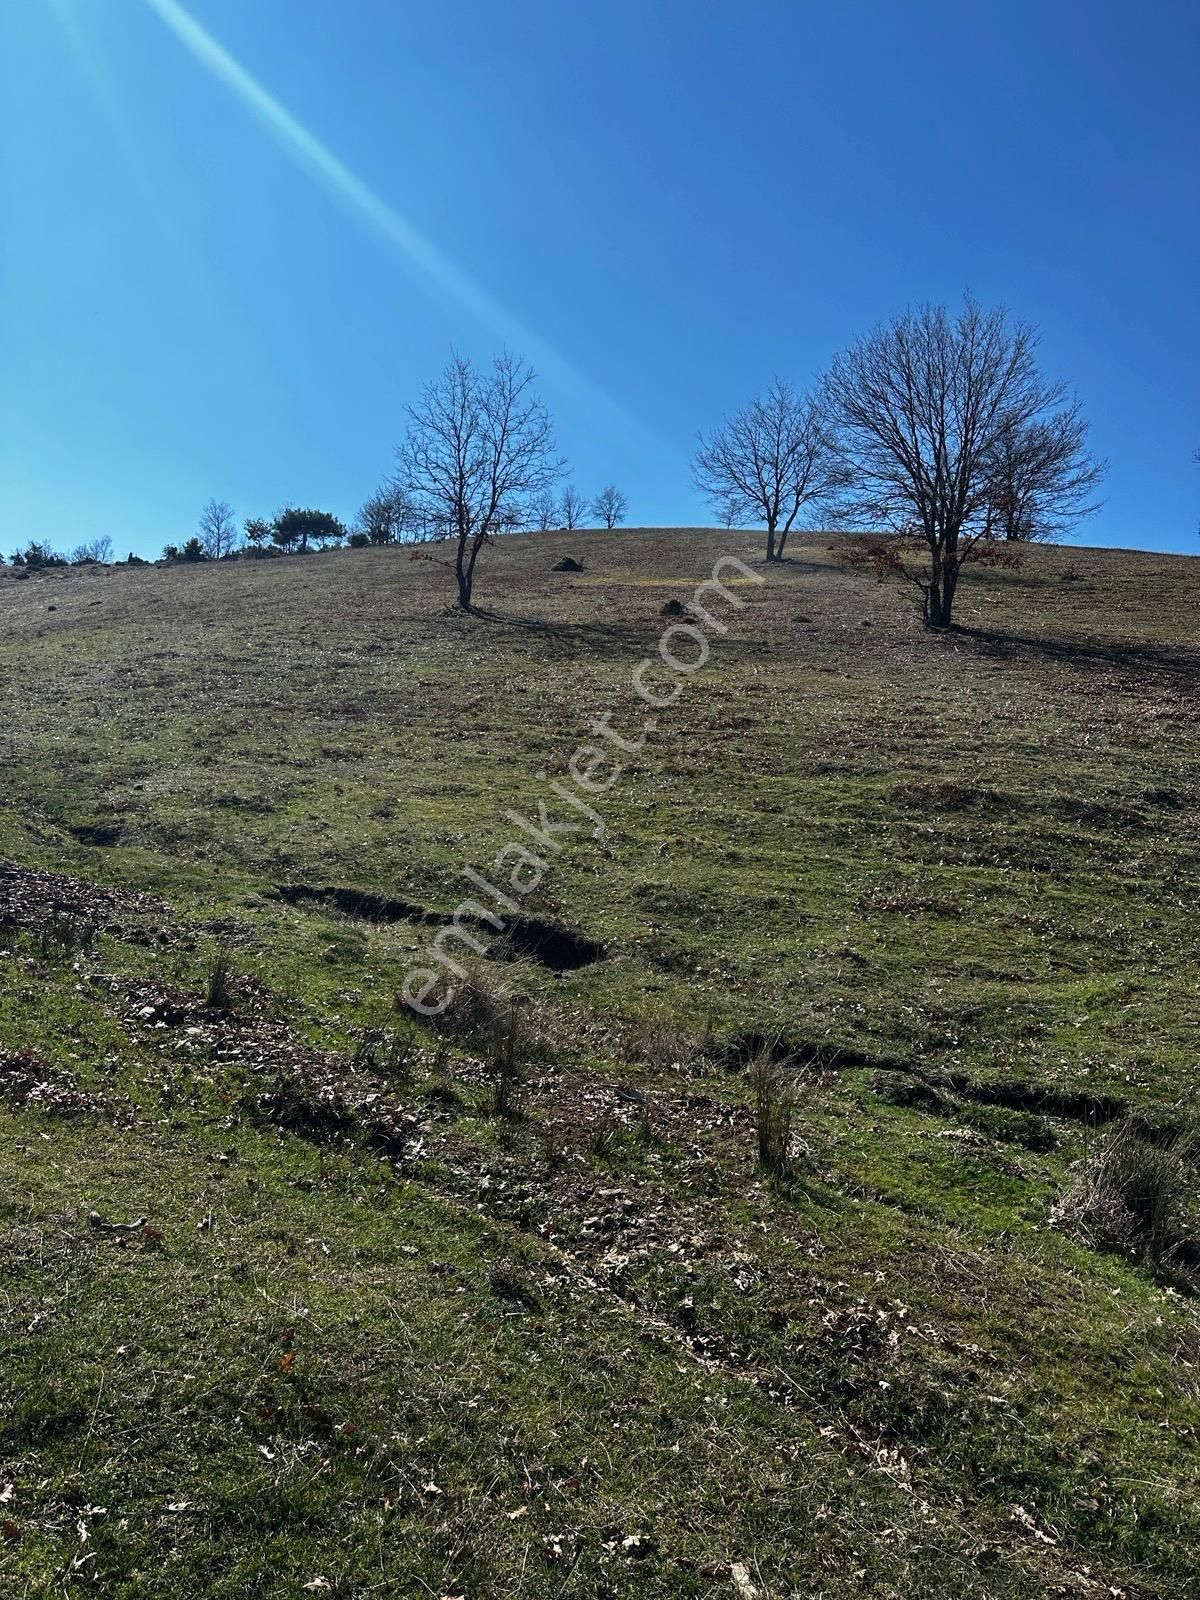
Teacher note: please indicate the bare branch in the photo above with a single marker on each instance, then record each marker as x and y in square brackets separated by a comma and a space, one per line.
[767, 461]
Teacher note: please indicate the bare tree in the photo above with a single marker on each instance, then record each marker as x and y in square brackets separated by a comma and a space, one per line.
[571, 507]
[388, 517]
[478, 446]
[218, 530]
[544, 510]
[1042, 477]
[767, 461]
[924, 405]
[610, 505]
[97, 550]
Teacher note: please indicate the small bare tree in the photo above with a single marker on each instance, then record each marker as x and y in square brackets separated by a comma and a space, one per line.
[544, 511]
[571, 507]
[388, 517]
[769, 460]
[1042, 477]
[218, 530]
[929, 407]
[610, 505]
[95, 550]
[478, 445]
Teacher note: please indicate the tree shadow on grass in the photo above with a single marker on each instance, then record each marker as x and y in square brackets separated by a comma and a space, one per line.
[1157, 663]
[567, 638]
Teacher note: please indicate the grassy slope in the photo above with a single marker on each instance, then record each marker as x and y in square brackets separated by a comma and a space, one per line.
[562, 1353]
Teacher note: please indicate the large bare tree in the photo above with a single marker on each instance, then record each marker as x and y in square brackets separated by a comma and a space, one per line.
[767, 461]
[479, 446]
[219, 532]
[949, 434]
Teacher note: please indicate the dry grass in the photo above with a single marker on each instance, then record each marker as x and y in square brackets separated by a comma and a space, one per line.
[1136, 1197]
[968, 855]
[773, 1085]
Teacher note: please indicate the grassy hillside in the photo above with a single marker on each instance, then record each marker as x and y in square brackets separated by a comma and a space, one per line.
[372, 1338]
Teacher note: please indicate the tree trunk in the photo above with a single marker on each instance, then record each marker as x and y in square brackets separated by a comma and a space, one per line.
[939, 597]
[771, 542]
[464, 571]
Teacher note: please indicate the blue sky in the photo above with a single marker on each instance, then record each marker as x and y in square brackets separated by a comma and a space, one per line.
[225, 275]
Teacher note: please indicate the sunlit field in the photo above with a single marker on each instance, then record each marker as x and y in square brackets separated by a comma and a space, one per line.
[302, 1293]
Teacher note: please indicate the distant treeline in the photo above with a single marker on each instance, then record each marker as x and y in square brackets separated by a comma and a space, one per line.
[936, 434]
[390, 516]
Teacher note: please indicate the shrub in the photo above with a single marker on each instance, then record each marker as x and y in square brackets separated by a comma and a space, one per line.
[62, 934]
[193, 550]
[476, 1009]
[659, 1043]
[383, 1053]
[37, 556]
[1133, 1197]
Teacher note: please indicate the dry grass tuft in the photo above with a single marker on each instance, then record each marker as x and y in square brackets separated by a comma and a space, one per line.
[219, 993]
[504, 1071]
[774, 1089]
[1133, 1197]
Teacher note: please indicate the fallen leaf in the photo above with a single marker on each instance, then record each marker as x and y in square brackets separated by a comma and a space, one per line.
[740, 1574]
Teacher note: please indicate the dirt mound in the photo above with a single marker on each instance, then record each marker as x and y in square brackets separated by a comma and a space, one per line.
[567, 564]
[26, 1080]
[286, 1082]
[33, 901]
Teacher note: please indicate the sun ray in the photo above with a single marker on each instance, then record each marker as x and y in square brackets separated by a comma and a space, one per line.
[441, 275]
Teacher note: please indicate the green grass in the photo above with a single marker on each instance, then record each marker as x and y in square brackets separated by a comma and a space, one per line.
[579, 1350]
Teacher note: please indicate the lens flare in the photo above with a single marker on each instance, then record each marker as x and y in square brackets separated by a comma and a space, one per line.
[446, 280]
